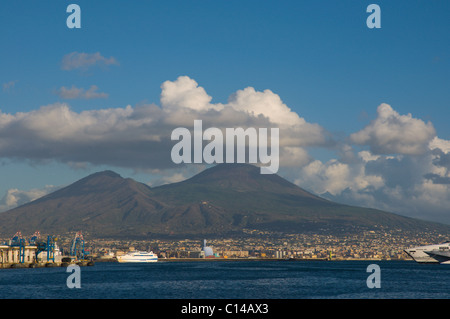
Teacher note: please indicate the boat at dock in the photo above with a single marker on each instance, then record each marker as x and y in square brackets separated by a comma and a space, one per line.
[52, 254]
[439, 253]
[138, 257]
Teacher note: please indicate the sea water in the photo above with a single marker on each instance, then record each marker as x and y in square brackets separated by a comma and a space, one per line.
[232, 280]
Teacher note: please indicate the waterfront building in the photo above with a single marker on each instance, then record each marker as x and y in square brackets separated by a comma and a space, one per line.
[17, 254]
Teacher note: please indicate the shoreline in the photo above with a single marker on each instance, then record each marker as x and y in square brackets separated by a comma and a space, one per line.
[257, 259]
[163, 260]
[44, 264]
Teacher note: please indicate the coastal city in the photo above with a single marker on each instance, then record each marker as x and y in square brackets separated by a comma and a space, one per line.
[370, 245]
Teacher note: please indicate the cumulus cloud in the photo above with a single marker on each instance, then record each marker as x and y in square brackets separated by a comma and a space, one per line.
[77, 60]
[140, 137]
[184, 93]
[437, 179]
[15, 197]
[124, 137]
[334, 177]
[184, 100]
[408, 185]
[440, 144]
[392, 133]
[265, 103]
[80, 93]
[406, 169]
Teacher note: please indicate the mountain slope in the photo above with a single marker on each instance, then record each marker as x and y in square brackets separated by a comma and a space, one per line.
[219, 201]
[98, 203]
[253, 200]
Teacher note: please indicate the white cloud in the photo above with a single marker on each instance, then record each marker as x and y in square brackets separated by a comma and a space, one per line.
[168, 179]
[292, 156]
[15, 197]
[8, 86]
[184, 93]
[397, 184]
[264, 103]
[437, 143]
[139, 137]
[80, 93]
[392, 133]
[184, 101]
[77, 60]
[334, 177]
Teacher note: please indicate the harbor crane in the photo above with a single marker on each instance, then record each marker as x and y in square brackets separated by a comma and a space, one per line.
[44, 246]
[18, 241]
[35, 238]
[77, 247]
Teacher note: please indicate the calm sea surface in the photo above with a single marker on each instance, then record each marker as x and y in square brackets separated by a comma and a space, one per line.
[231, 280]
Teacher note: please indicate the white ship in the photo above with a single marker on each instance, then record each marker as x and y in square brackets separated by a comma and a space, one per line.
[439, 253]
[138, 257]
[43, 255]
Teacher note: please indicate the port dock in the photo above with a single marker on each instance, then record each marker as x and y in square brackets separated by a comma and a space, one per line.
[45, 264]
[36, 253]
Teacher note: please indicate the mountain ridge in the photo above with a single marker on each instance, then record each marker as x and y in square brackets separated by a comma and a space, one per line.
[219, 201]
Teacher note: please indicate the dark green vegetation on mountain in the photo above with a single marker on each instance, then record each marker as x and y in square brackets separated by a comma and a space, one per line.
[220, 201]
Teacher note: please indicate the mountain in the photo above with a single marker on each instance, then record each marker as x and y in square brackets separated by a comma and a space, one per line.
[219, 201]
[99, 203]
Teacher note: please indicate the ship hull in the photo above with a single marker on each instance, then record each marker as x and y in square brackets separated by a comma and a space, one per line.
[439, 253]
[133, 260]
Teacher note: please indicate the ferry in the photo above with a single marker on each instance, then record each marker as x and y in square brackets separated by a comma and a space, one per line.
[439, 253]
[138, 257]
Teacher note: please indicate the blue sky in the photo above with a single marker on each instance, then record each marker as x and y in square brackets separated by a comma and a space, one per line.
[319, 57]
